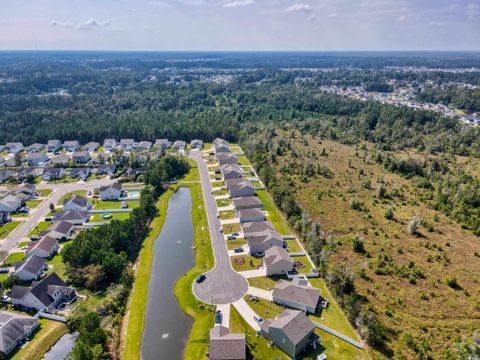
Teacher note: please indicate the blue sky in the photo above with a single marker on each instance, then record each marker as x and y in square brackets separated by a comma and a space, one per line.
[240, 24]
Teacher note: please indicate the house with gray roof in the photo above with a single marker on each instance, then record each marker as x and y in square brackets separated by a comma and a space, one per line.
[44, 248]
[50, 174]
[161, 144]
[239, 188]
[225, 158]
[81, 157]
[31, 268]
[80, 173]
[46, 295]
[6, 175]
[61, 230]
[10, 203]
[34, 148]
[224, 345]
[127, 144]
[231, 171]
[196, 144]
[77, 202]
[71, 145]
[13, 147]
[107, 169]
[277, 261]
[29, 172]
[74, 217]
[219, 141]
[60, 159]
[14, 329]
[297, 294]
[29, 190]
[250, 215]
[110, 192]
[37, 159]
[91, 146]
[247, 202]
[144, 145]
[261, 236]
[54, 145]
[109, 144]
[291, 331]
[2, 160]
[179, 145]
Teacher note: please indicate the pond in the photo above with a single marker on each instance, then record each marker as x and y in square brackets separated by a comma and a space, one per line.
[62, 348]
[166, 326]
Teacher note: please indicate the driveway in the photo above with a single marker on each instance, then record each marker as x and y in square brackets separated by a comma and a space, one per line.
[222, 284]
[37, 214]
[261, 293]
[247, 313]
[253, 273]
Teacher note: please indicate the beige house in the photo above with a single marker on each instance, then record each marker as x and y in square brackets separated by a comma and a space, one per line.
[277, 261]
[296, 294]
[226, 346]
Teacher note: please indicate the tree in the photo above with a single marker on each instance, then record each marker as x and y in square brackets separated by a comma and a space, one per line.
[469, 349]
[52, 207]
[389, 213]
[357, 244]
[412, 227]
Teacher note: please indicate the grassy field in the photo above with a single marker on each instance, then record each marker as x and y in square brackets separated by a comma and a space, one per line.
[44, 338]
[7, 228]
[266, 309]
[115, 216]
[224, 202]
[137, 304]
[231, 228]
[44, 192]
[57, 265]
[242, 160]
[14, 257]
[32, 204]
[249, 262]
[265, 283]
[426, 307]
[273, 214]
[225, 215]
[294, 246]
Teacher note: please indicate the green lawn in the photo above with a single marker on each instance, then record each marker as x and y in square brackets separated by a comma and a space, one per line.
[41, 226]
[218, 184]
[224, 202]
[70, 195]
[242, 160]
[265, 283]
[7, 228]
[14, 257]
[225, 215]
[43, 339]
[232, 244]
[231, 228]
[257, 346]
[294, 246]
[115, 216]
[249, 262]
[256, 183]
[273, 214]
[266, 309]
[304, 260]
[57, 265]
[44, 192]
[32, 204]
[4, 276]
[114, 204]
[22, 244]
[220, 192]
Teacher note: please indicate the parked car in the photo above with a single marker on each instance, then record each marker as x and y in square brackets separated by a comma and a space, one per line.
[34, 237]
[322, 357]
[217, 171]
[200, 278]
[231, 237]
[4, 270]
[218, 317]
[238, 250]
[259, 254]
[258, 319]
[48, 218]
[221, 230]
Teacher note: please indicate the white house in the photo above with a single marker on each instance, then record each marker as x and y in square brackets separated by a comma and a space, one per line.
[44, 248]
[277, 261]
[109, 144]
[53, 145]
[14, 147]
[10, 203]
[61, 230]
[296, 294]
[14, 329]
[71, 146]
[110, 192]
[76, 202]
[31, 268]
[127, 144]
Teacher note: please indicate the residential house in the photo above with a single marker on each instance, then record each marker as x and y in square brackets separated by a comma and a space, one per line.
[34, 148]
[250, 215]
[108, 169]
[102, 158]
[37, 159]
[226, 158]
[71, 146]
[54, 145]
[61, 230]
[5, 217]
[5, 175]
[239, 188]
[109, 144]
[73, 217]
[81, 157]
[13, 147]
[161, 144]
[80, 173]
[45, 295]
[297, 294]
[231, 171]
[261, 236]
[127, 144]
[30, 269]
[247, 202]
[77, 202]
[110, 192]
[222, 149]
[179, 145]
[292, 331]
[44, 248]
[144, 145]
[224, 345]
[29, 173]
[219, 141]
[2, 160]
[60, 159]
[12, 162]
[50, 174]
[14, 329]
[196, 144]
[91, 146]
[10, 203]
[29, 190]
[277, 261]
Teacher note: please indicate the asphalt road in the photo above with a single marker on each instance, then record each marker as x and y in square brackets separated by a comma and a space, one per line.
[36, 215]
[222, 284]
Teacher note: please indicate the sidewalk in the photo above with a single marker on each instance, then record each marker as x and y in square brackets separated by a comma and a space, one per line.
[247, 313]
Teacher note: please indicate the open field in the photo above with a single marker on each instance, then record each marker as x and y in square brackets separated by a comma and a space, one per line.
[7, 228]
[273, 214]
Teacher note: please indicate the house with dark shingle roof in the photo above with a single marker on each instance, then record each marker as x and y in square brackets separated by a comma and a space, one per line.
[14, 329]
[45, 295]
[196, 144]
[31, 268]
[108, 169]
[109, 144]
[35, 148]
[53, 145]
[261, 236]
[61, 230]
[74, 217]
[251, 215]
[277, 261]
[44, 248]
[231, 171]
[80, 173]
[239, 188]
[226, 346]
[296, 294]
[50, 174]
[226, 159]
[10, 203]
[291, 331]
[110, 192]
[247, 202]
[81, 157]
[180, 145]
[127, 144]
[76, 202]
[71, 145]
[60, 159]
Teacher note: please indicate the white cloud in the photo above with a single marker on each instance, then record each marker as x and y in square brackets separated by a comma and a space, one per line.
[56, 23]
[238, 3]
[93, 24]
[304, 8]
[401, 18]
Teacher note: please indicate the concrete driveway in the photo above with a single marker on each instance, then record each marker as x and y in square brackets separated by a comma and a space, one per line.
[222, 284]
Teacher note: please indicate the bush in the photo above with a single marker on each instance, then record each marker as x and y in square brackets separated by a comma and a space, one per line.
[357, 244]
[389, 214]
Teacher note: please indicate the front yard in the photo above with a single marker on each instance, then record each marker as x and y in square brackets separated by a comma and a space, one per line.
[225, 215]
[231, 228]
[44, 192]
[41, 226]
[32, 204]
[232, 244]
[245, 262]
[266, 283]
[224, 202]
[7, 228]
[14, 257]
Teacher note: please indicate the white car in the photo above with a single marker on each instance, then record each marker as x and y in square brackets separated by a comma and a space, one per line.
[322, 357]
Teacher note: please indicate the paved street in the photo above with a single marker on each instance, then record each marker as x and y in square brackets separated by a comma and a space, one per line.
[222, 284]
[35, 216]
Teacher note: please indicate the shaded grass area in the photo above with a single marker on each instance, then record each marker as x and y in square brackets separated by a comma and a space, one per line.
[43, 339]
[245, 262]
[7, 228]
[44, 192]
[273, 214]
